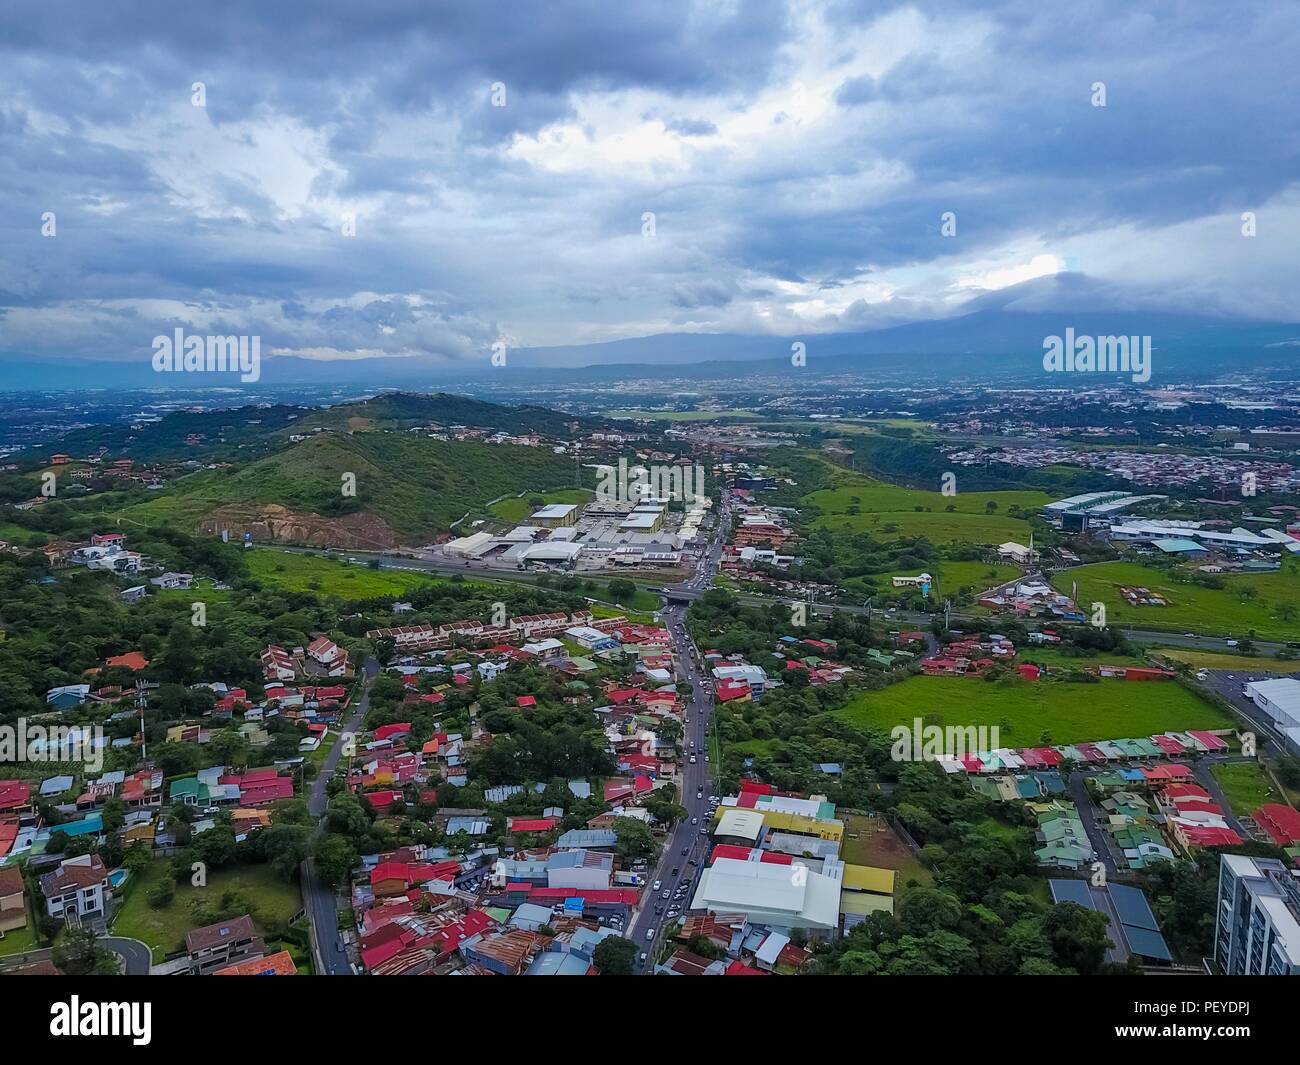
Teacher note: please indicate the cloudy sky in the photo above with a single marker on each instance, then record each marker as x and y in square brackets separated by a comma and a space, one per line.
[749, 166]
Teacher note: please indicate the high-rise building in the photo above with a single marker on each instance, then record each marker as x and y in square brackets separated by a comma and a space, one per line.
[1257, 923]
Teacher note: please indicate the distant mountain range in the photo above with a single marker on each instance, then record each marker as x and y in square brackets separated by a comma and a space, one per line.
[990, 343]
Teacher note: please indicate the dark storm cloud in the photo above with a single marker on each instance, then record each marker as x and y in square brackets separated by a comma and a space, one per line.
[798, 160]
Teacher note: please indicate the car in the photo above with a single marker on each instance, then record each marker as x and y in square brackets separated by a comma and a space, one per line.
[693, 864]
[693, 756]
[685, 851]
[649, 934]
[695, 820]
[1189, 636]
[666, 894]
[700, 793]
[658, 910]
[643, 957]
[1226, 643]
[657, 885]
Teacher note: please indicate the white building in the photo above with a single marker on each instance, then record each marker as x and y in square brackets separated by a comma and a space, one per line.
[77, 889]
[1257, 920]
[780, 896]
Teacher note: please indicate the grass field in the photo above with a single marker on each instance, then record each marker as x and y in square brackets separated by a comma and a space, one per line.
[329, 576]
[680, 415]
[1214, 660]
[870, 841]
[1218, 612]
[953, 576]
[271, 899]
[1056, 659]
[887, 511]
[1024, 710]
[18, 940]
[515, 509]
[1245, 786]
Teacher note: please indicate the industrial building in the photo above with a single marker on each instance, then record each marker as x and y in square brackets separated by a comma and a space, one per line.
[1279, 699]
[1078, 513]
[555, 515]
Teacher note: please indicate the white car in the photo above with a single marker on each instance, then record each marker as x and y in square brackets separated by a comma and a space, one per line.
[649, 934]
[695, 820]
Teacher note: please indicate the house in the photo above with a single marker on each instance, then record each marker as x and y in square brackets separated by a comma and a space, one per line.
[13, 910]
[280, 964]
[133, 595]
[329, 655]
[77, 889]
[67, 696]
[169, 581]
[225, 943]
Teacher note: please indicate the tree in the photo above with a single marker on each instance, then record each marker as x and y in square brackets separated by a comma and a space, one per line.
[633, 839]
[335, 858]
[78, 954]
[614, 956]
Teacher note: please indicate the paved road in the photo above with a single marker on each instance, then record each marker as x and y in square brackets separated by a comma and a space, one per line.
[318, 898]
[136, 955]
[689, 840]
[1229, 684]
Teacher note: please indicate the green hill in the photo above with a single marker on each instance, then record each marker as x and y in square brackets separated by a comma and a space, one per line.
[409, 410]
[407, 488]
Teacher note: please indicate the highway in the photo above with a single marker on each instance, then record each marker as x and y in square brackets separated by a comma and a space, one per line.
[689, 841]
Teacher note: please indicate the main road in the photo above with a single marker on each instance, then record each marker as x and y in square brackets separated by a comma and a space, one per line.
[318, 898]
[689, 840]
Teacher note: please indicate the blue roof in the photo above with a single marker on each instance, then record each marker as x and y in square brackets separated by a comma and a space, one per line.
[1176, 544]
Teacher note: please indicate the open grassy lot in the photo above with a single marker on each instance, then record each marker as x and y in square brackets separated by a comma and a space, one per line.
[870, 841]
[1218, 612]
[330, 576]
[1025, 710]
[163, 929]
[517, 508]
[952, 576]
[1216, 660]
[680, 415]
[1245, 786]
[18, 940]
[887, 511]
[1053, 658]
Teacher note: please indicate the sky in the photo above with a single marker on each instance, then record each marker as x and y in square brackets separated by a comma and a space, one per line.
[401, 177]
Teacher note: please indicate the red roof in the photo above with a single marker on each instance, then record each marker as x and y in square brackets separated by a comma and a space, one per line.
[253, 793]
[628, 896]
[13, 794]
[526, 700]
[1202, 836]
[726, 690]
[132, 660]
[532, 824]
[1028, 671]
[1189, 791]
[739, 968]
[756, 786]
[1168, 744]
[381, 800]
[1211, 741]
[742, 854]
[398, 728]
[1282, 823]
